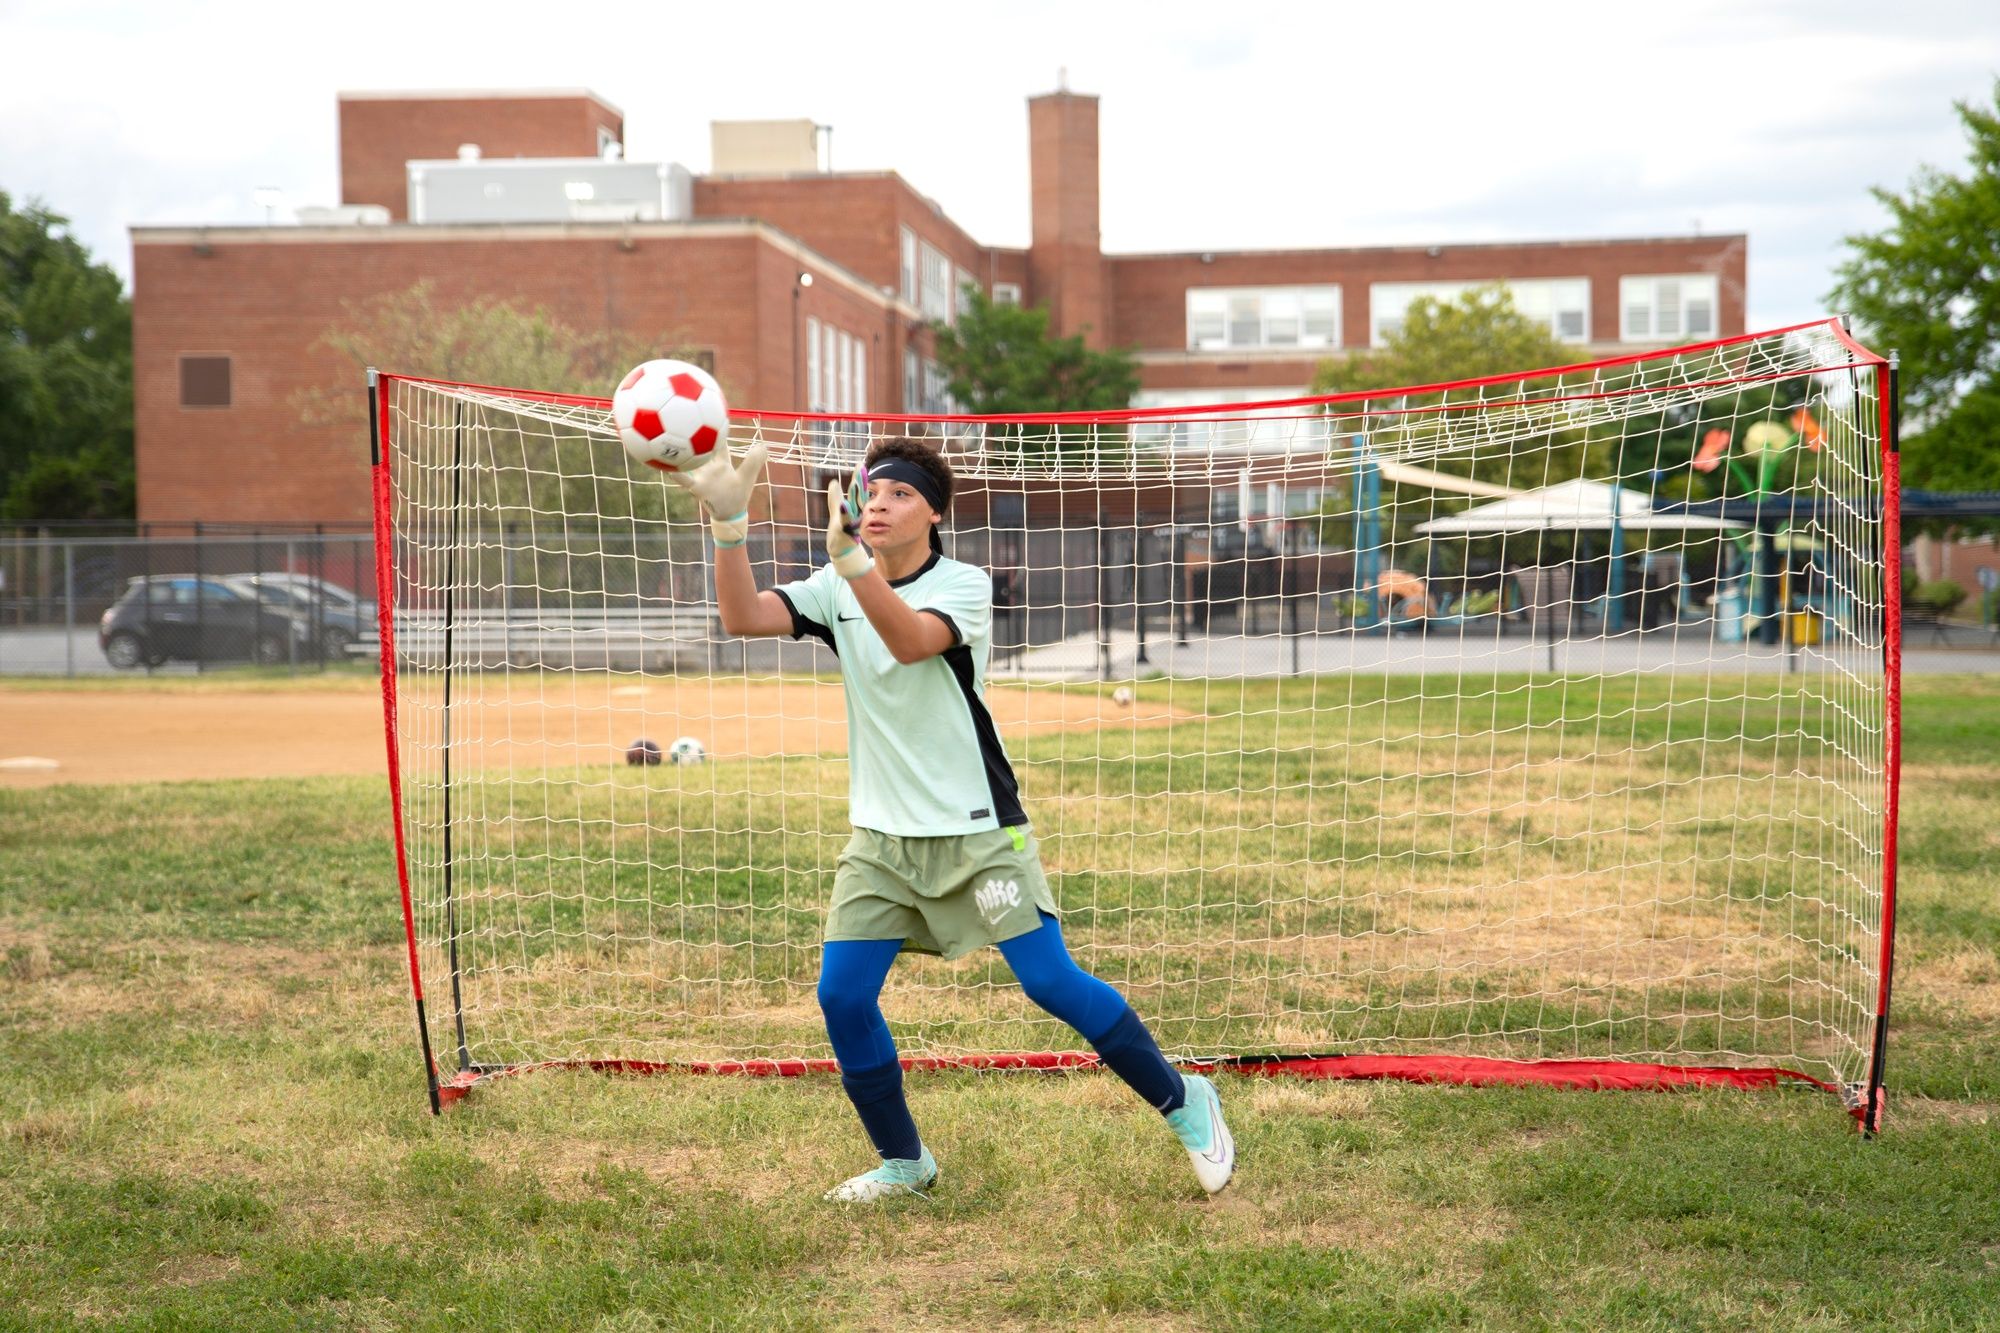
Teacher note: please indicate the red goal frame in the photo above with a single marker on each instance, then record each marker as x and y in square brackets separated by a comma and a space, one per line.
[1865, 1102]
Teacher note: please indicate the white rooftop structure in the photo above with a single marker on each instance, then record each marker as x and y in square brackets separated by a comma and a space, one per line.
[1568, 506]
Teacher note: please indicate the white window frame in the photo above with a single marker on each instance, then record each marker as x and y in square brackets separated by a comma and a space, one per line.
[1006, 293]
[859, 395]
[908, 240]
[1239, 307]
[961, 298]
[934, 280]
[812, 364]
[913, 402]
[1273, 431]
[829, 350]
[935, 395]
[1640, 293]
[1544, 300]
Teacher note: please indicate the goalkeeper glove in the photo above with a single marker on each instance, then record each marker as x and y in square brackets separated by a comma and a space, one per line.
[843, 516]
[724, 488]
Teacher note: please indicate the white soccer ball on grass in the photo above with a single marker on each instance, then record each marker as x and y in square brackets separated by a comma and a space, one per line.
[686, 750]
[1123, 696]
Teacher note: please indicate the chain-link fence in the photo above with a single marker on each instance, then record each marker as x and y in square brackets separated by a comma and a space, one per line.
[92, 604]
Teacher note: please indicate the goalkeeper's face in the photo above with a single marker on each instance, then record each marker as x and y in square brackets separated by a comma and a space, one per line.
[896, 516]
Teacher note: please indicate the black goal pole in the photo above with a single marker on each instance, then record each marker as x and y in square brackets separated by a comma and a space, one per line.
[450, 621]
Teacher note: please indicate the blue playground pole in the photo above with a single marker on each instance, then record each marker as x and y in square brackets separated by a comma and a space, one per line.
[1614, 583]
[1367, 536]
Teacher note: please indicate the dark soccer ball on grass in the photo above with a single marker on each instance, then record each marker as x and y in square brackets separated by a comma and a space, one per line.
[642, 751]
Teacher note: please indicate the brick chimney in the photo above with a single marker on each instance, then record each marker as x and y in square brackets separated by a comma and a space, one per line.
[1065, 255]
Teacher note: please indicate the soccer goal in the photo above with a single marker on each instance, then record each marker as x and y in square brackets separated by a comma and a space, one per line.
[1537, 728]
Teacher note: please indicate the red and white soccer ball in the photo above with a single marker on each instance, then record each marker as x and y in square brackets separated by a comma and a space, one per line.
[670, 415]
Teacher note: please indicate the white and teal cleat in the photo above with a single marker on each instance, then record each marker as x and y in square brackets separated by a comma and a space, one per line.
[894, 1177]
[1199, 1126]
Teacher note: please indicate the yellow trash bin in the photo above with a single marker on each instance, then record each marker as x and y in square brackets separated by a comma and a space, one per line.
[1805, 627]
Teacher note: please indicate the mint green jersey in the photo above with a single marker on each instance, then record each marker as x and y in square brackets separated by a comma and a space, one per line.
[924, 759]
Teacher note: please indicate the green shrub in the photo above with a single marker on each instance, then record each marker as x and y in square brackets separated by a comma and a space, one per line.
[1942, 596]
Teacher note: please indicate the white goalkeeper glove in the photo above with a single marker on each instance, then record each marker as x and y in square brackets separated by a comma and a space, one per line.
[843, 519]
[724, 488]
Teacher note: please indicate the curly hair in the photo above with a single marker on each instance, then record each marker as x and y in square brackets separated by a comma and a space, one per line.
[922, 455]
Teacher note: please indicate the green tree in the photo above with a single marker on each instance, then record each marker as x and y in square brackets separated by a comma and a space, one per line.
[65, 374]
[1481, 333]
[520, 468]
[1928, 288]
[482, 341]
[1002, 361]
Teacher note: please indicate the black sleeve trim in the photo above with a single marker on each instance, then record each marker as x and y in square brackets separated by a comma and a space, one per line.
[803, 626]
[957, 637]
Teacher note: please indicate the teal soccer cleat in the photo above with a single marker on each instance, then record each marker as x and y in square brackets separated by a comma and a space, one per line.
[892, 1178]
[1201, 1131]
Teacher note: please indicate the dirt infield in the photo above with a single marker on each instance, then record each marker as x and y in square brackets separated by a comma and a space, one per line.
[140, 736]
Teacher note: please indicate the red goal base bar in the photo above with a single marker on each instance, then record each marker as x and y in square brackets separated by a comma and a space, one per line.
[1469, 1070]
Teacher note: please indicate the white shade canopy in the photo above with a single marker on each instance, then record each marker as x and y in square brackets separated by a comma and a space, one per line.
[1567, 506]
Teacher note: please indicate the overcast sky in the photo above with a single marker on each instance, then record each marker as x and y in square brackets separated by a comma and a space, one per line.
[1224, 126]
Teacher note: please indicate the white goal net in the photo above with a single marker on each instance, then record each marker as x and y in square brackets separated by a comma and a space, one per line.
[1531, 720]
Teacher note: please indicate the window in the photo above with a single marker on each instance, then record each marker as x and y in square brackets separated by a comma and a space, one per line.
[912, 386]
[909, 287]
[812, 364]
[205, 381]
[1667, 306]
[936, 302]
[828, 350]
[937, 390]
[1561, 303]
[836, 369]
[1251, 317]
[1006, 293]
[1280, 430]
[962, 294]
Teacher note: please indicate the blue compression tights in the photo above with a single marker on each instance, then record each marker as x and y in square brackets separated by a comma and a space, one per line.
[850, 986]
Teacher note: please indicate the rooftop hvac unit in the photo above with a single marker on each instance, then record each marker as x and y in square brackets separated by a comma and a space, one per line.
[548, 189]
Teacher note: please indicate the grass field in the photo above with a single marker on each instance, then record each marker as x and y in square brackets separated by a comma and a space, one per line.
[211, 1115]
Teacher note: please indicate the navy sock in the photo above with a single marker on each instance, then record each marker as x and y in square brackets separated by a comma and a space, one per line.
[1052, 980]
[877, 1095]
[1130, 1052]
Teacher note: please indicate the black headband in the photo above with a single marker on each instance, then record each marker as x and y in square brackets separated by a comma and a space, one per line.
[903, 470]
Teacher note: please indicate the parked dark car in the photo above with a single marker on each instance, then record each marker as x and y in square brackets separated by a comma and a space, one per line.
[334, 618]
[164, 617]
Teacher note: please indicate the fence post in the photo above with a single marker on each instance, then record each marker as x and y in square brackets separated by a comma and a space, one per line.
[69, 608]
[200, 606]
[319, 592]
[507, 591]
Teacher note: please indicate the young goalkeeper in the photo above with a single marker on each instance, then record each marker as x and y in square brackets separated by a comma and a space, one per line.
[941, 860]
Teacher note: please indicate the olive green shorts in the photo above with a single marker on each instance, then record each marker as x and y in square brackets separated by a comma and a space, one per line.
[939, 895]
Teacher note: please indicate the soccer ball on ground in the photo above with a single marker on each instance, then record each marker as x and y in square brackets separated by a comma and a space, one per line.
[642, 751]
[1122, 696]
[670, 415]
[686, 750]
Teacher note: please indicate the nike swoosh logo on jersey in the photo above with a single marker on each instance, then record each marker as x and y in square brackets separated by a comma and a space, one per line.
[848, 620]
